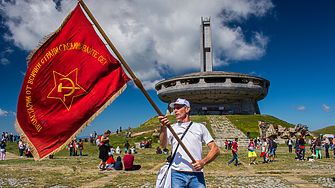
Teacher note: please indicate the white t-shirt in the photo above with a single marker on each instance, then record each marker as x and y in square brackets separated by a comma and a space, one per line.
[265, 144]
[193, 139]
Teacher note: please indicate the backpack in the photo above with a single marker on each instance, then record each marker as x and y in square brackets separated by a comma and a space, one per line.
[98, 141]
[274, 145]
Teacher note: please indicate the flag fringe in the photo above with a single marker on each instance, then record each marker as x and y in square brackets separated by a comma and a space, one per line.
[32, 147]
[46, 38]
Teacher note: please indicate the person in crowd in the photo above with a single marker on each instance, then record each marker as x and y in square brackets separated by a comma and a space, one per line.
[263, 150]
[133, 150]
[274, 148]
[334, 146]
[110, 162]
[117, 132]
[118, 150]
[28, 153]
[226, 144]
[326, 143]
[158, 150]
[128, 161]
[126, 134]
[251, 152]
[126, 147]
[112, 150]
[120, 129]
[91, 140]
[71, 146]
[290, 144]
[22, 147]
[271, 149]
[129, 134]
[255, 142]
[318, 147]
[331, 143]
[3, 149]
[80, 147]
[296, 146]
[302, 148]
[165, 151]
[104, 149]
[312, 148]
[235, 152]
[183, 172]
[150, 143]
[118, 163]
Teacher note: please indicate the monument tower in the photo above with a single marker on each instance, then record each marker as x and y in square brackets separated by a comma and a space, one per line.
[214, 92]
[206, 55]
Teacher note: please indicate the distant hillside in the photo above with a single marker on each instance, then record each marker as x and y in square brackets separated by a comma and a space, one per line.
[326, 130]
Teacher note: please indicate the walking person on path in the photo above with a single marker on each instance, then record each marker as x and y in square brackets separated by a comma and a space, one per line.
[185, 173]
[235, 152]
[271, 150]
[251, 151]
[263, 150]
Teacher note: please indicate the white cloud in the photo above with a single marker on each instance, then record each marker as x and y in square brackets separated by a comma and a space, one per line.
[3, 60]
[12, 113]
[3, 112]
[325, 108]
[300, 108]
[156, 38]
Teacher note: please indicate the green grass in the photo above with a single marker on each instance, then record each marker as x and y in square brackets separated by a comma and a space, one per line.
[326, 130]
[249, 123]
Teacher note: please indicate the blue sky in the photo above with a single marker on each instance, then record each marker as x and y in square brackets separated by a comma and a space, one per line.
[289, 43]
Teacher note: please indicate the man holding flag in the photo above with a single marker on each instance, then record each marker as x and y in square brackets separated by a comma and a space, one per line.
[183, 172]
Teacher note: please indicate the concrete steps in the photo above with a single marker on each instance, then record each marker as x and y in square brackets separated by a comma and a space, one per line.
[224, 130]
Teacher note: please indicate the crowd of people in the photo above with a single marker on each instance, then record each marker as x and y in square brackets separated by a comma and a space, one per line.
[106, 155]
[75, 146]
[268, 148]
[22, 146]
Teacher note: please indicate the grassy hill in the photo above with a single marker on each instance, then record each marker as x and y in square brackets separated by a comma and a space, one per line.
[250, 122]
[326, 130]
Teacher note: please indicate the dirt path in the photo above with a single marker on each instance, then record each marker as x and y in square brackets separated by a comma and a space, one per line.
[12, 156]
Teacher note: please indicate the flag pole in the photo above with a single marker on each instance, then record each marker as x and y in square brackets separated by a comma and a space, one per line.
[135, 79]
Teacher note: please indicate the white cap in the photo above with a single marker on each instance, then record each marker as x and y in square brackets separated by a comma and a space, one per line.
[180, 101]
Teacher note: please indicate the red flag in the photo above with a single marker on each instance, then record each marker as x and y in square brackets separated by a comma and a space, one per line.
[70, 80]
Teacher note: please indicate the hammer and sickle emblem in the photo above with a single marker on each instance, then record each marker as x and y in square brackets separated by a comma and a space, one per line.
[73, 88]
[66, 86]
